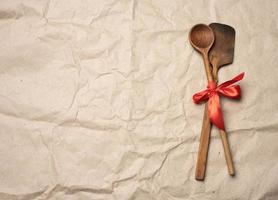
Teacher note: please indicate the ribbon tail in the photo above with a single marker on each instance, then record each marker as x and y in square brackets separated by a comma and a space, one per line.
[214, 111]
[232, 81]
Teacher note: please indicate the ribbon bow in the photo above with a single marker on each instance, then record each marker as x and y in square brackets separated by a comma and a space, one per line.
[212, 95]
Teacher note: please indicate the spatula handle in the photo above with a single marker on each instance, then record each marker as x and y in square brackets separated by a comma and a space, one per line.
[228, 155]
[203, 147]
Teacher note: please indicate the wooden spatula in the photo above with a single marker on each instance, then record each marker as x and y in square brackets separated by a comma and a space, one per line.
[221, 53]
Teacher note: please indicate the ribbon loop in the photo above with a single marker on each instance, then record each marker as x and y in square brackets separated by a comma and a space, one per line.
[211, 94]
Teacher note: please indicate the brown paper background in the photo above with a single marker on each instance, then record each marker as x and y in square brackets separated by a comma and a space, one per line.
[95, 100]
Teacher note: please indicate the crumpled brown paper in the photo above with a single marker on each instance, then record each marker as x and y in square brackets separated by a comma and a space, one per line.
[95, 101]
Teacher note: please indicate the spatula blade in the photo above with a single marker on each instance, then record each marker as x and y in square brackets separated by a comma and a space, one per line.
[222, 51]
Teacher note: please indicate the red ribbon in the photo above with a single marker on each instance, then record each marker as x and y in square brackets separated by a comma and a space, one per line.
[212, 95]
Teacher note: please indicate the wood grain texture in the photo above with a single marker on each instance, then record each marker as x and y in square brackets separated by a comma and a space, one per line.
[220, 54]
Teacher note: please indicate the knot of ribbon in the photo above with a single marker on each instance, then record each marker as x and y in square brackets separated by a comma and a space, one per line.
[211, 94]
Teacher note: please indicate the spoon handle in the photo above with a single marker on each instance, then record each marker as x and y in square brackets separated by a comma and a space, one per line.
[205, 133]
[207, 66]
[203, 147]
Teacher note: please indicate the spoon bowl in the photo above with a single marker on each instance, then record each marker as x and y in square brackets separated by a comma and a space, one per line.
[201, 37]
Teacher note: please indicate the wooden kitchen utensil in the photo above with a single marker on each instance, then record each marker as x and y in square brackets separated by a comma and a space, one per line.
[222, 53]
[201, 38]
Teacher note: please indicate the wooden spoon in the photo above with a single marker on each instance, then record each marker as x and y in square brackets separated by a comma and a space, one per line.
[222, 53]
[201, 38]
